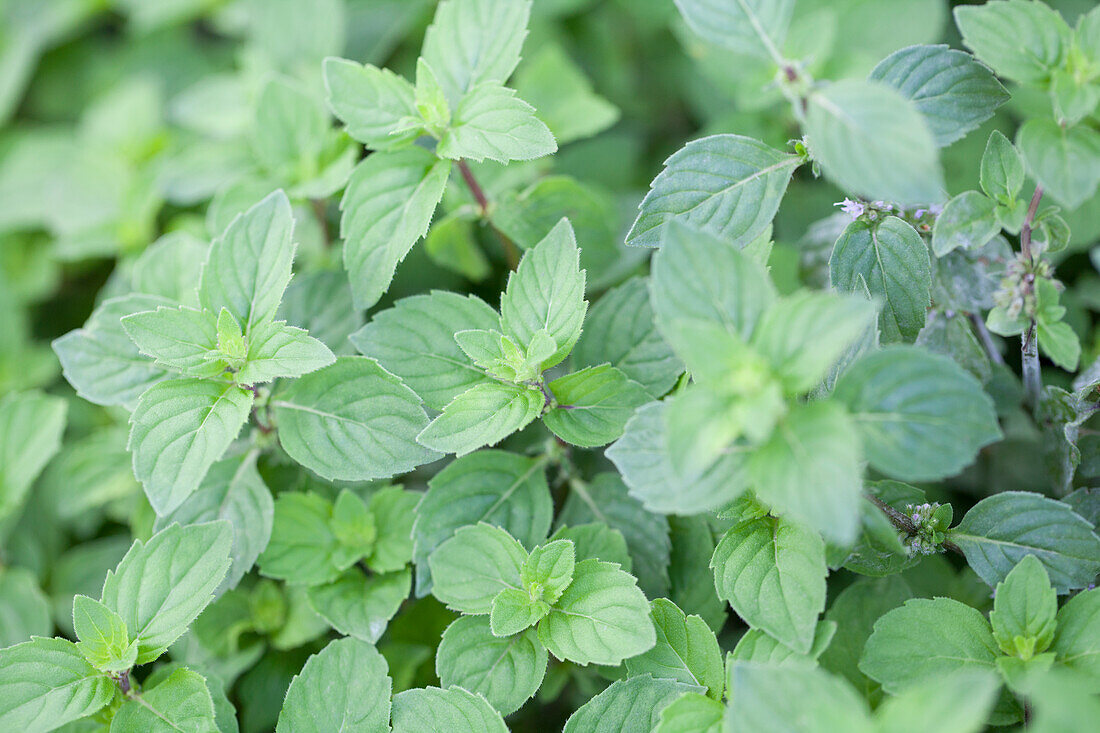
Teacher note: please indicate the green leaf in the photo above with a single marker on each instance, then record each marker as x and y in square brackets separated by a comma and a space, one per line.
[1077, 638]
[954, 92]
[595, 540]
[747, 26]
[922, 417]
[890, 260]
[394, 513]
[620, 330]
[1002, 170]
[162, 585]
[546, 293]
[361, 606]
[810, 469]
[24, 608]
[471, 567]
[697, 277]
[353, 421]
[289, 130]
[514, 610]
[433, 710]
[548, 570]
[815, 702]
[320, 302]
[642, 457]
[1024, 608]
[472, 41]
[772, 571]
[373, 103]
[354, 527]
[387, 206]
[758, 647]
[492, 122]
[854, 611]
[248, 267]
[563, 95]
[1058, 341]
[100, 360]
[31, 424]
[415, 341]
[593, 405]
[1000, 530]
[955, 703]
[346, 687]
[1021, 40]
[872, 141]
[304, 549]
[177, 339]
[691, 713]
[489, 486]
[181, 702]
[178, 430]
[233, 490]
[46, 683]
[968, 221]
[602, 617]
[925, 639]
[627, 705]
[728, 186]
[686, 650]
[505, 671]
[691, 582]
[276, 350]
[1065, 162]
[483, 415]
[103, 638]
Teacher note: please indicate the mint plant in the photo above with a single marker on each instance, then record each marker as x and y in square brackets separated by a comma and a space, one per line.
[750, 355]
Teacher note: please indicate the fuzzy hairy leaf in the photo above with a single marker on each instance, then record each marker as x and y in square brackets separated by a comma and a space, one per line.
[753, 26]
[179, 702]
[492, 122]
[344, 687]
[593, 405]
[46, 683]
[631, 704]
[475, 564]
[371, 102]
[482, 416]
[686, 651]
[434, 710]
[31, 424]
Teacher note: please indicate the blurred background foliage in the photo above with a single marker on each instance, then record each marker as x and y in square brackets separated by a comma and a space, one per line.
[128, 140]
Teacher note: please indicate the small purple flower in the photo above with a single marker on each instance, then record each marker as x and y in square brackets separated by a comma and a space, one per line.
[853, 209]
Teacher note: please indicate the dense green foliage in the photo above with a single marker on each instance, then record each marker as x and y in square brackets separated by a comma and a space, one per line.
[487, 365]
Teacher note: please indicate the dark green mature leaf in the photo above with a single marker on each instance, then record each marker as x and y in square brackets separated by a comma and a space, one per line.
[179, 702]
[361, 606]
[728, 186]
[891, 260]
[631, 704]
[954, 92]
[922, 417]
[46, 683]
[1001, 529]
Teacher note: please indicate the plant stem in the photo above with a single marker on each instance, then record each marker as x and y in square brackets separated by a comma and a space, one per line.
[1029, 347]
[510, 251]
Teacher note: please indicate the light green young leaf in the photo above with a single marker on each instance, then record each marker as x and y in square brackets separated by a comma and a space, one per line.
[415, 341]
[698, 277]
[959, 702]
[729, 186]
[758, 27]
[1002, 169]
[344, 687]
[1065, 162]
[548, 570]
[954, 92]
[46, 683]
[31, 424]
[620, 330]
[514, 611]
[922, 416]
[394, 512]
[967, 221]
[1021, 40]
[593, 405]
[1077, 637]
[890, 260]
[483, 415]
[473, 41]
[926, 639]
[872, 141]
[470, 568]
[276, 350]
[546, 293]
[686, 651]
[492, 122]
[1057, 339]
[602, 617]
[563, 96]
[387, 206]
[304, 549]
[433, 710]
[178, 339]
[101, 362]
[1000, 530]
[691, 713]
[814, 701]
[361, 606]
[1024, 609]
[373, 103]
[289, 130]
[162, 585]
[810, 470]
[627, 705]
[181, 702]
[506, 671]
[352, 421]
[759, 647]
[353, 524]
[178, 430]
[103, 638]
[248, 267]
[772, 571]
